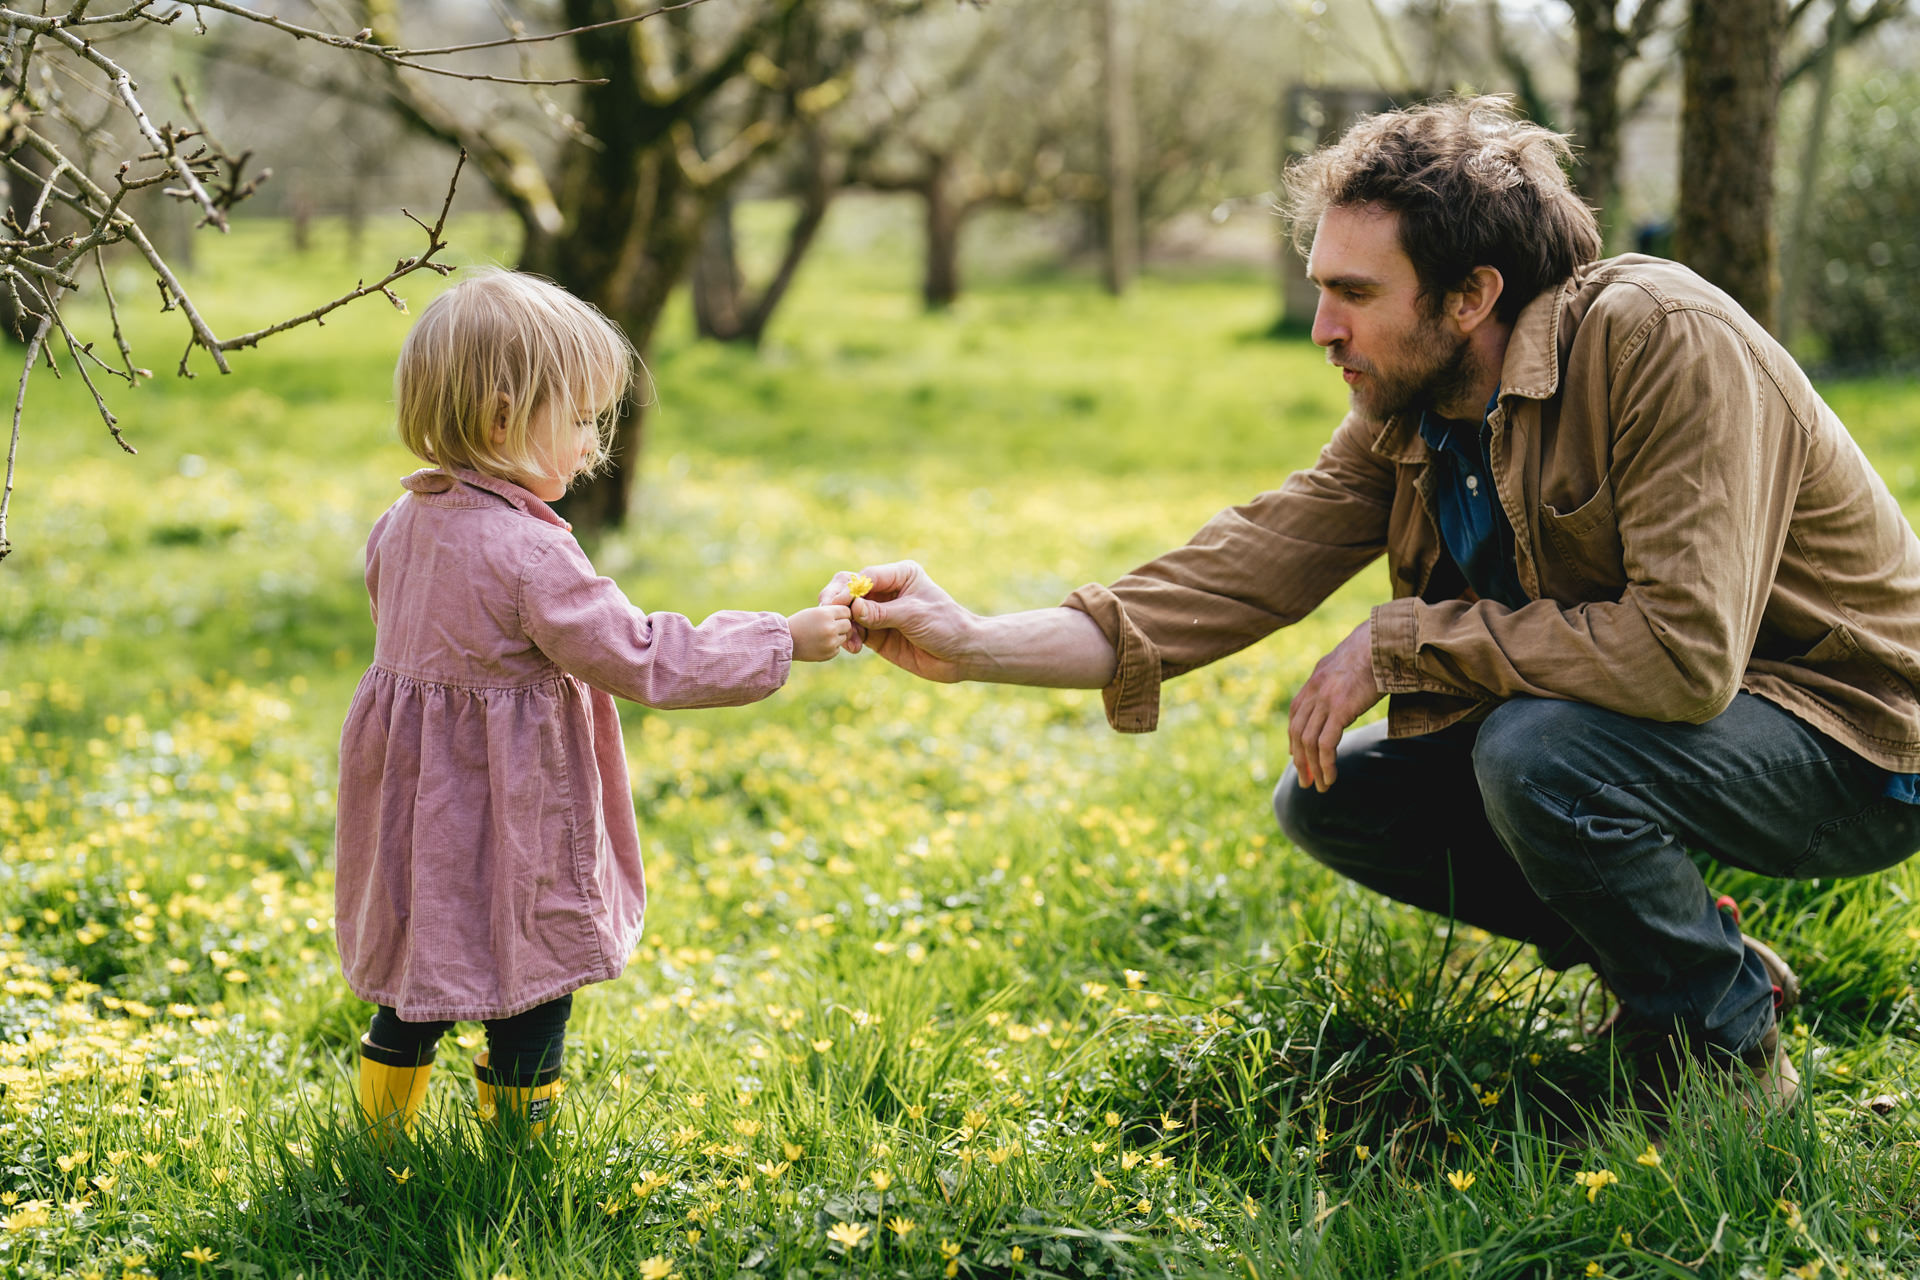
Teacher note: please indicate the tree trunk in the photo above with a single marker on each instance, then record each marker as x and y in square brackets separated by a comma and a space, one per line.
[716, 281]
[722, 310]
[1122, 147]
[1793, 271]
[1600, 55]
[940, 285]
[1729, 118]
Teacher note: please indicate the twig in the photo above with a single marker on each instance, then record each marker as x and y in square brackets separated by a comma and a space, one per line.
[19, 406]
[113, 312]
[80, 356]
[629, 20]
[406, 266]
[405, 57]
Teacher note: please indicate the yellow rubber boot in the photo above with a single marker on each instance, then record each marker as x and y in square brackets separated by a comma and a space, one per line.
[512, 1107]
[391, 1087]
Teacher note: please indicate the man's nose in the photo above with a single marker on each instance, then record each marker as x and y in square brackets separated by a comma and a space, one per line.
[1329, 326]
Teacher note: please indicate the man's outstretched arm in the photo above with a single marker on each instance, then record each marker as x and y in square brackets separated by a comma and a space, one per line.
[912, 622]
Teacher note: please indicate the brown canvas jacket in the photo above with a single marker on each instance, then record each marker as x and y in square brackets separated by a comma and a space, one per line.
[1689, 517]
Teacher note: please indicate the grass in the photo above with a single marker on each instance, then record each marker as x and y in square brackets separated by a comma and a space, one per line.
[935, 980]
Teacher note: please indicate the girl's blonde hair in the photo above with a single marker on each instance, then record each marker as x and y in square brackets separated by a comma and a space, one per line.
[505, 342]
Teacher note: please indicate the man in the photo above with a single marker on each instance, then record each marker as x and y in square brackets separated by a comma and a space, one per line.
[1648, 594]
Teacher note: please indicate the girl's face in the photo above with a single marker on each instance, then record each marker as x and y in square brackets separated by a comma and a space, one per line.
[561, 450]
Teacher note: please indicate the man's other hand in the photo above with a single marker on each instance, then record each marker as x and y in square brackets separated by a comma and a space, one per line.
[1334, 696]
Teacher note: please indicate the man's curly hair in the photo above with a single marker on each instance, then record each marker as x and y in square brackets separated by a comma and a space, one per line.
[1474, 185]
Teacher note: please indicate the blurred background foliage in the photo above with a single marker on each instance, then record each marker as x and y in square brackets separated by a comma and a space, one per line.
[1863, 297]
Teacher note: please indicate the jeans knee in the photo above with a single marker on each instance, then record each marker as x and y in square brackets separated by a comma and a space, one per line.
[1303, 815]
[1527, 761]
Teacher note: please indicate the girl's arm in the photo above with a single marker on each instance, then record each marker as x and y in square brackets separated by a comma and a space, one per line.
[587, 626]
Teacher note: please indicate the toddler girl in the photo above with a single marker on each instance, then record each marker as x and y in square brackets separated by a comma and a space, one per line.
[488, 859]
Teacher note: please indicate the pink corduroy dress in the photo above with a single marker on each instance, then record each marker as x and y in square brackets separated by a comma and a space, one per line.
[488, 857]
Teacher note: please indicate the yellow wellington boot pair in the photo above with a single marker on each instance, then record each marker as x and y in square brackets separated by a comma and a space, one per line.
[515, 1107]
[392, 1090]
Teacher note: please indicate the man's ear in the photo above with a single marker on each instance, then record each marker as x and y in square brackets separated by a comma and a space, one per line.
[498, 432]
[1477, 299]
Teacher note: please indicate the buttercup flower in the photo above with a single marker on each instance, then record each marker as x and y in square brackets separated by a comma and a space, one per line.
[1650, 1157]
[858, 585]
[1595, 1181]
[1460, 1180]
[848, 1235]
[656, 1268]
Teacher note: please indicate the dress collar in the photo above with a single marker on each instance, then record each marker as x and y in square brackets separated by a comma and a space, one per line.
[444, 479]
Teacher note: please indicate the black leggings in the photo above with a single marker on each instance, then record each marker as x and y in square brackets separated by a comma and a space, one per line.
[522, 1050]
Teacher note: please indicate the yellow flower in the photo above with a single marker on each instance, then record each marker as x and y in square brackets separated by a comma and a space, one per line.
[1128, 1159]
[881, 1179]
[693, 1236]
[1460, 1179]
[105, 1181]
[916, 1112]
[67, 1163]
[858, 585]
[1650, 1157]
[1135, 979]
[1253, 1210]
[31, 1213]
[746, 1128]
[656, 1268]
[902, 1227]
[1113, 1119]
[698, 1101]
[200, 1254]
[401, 1176]
[792, 1150]
[823, 1044]
[848, 1235]
[1490, 1098]
[1018, 1254]
[683, 1135]
[1595, 1269]
[1363, 1153]
[1595, 1181]
[771, 1171]
[1169, 1123]
[649, 1183]
[1811, 1271]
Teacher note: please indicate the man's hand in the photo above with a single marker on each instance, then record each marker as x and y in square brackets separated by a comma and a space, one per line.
[907, 618]
[1339, 690]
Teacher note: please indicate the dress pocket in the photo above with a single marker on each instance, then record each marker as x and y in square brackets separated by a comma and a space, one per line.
[1586, 543]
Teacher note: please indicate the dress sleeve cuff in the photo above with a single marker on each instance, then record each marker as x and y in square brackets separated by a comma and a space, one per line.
[1395, 640]
[1133, 696]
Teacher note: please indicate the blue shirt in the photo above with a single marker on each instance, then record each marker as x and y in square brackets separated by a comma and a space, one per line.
[1476, 532]
[1473, 526]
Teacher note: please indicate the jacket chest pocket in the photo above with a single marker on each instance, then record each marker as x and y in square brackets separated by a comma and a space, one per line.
[1580, 550]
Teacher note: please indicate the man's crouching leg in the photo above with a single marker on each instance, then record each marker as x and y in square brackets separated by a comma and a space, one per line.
[1600, 811]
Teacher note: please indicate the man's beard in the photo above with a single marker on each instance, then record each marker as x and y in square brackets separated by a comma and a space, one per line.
[1429, 369]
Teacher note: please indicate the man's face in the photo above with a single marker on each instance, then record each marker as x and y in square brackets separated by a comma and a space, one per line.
[1395, 355]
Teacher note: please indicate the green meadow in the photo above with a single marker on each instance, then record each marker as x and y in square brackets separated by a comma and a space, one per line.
[937, 981]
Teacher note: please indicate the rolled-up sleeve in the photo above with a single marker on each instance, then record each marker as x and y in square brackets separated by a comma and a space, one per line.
[587, 626]
[1249, 571]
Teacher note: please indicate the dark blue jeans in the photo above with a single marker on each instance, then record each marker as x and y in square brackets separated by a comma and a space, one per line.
[1567, 826]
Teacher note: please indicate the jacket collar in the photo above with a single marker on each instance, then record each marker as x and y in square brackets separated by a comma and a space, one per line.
[438, 480]
[1530, 370]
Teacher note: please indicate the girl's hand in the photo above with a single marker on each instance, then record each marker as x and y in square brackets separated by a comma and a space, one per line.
[819, 633]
